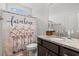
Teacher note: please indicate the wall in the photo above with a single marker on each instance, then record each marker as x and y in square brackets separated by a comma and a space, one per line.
[41, 12]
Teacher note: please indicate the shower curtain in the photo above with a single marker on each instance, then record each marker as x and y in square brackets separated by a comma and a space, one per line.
[18, 32]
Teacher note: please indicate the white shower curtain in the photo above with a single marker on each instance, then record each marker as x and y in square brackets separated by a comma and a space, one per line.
[18, 31]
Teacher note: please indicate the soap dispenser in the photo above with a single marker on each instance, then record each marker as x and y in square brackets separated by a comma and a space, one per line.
[69, 34]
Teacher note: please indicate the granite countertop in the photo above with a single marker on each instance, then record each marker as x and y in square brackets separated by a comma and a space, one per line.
[63, 41]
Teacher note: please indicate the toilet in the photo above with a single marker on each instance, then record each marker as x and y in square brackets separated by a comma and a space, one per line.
[32, 49]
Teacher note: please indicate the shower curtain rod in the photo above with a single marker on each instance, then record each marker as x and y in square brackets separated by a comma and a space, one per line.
[16, 13]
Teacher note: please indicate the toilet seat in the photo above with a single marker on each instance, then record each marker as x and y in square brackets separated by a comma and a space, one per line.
[32, 46]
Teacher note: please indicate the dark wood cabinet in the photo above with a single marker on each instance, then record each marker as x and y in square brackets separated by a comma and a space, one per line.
[42, 51]
[39, 41]
[50, 46]
[51, 54]
[68, 52]
[46, 48]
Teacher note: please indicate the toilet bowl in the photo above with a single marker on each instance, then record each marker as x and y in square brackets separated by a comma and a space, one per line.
[32, 48]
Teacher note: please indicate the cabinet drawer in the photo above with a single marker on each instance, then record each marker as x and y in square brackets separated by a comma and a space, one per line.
[68, 52]
[51, 46]
[39, 41]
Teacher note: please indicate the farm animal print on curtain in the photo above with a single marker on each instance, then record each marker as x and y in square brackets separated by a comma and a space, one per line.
[19, 31]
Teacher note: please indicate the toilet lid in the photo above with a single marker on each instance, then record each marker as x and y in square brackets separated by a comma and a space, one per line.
[31, 46]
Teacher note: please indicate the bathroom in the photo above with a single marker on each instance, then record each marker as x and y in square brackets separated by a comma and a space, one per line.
[39, 29]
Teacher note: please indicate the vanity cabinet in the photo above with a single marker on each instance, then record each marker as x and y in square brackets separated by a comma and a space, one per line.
[42, 51]
[51, 47]
[46, 48]
[68, 52]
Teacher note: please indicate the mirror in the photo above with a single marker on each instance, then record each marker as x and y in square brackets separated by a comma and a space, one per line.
[65, 17]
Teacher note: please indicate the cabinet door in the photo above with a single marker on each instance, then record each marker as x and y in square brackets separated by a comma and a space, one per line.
[68, 52]
[50, 46]
[42, 51]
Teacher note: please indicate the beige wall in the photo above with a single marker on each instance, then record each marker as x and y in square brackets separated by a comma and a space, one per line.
[41, 12]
